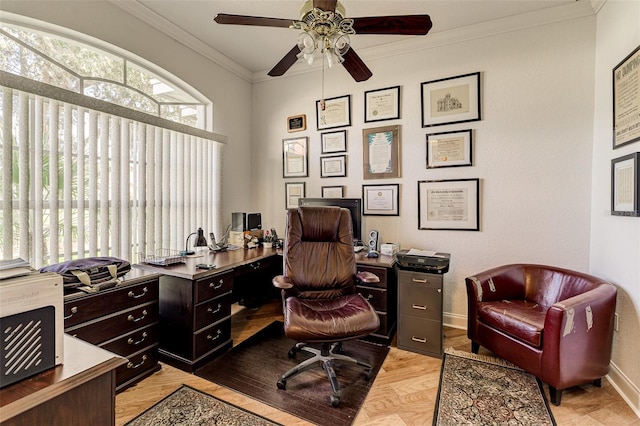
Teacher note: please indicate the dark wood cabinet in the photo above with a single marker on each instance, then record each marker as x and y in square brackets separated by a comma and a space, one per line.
[122, 320]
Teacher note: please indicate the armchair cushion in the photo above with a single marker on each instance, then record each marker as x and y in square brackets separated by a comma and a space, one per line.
[521, 319]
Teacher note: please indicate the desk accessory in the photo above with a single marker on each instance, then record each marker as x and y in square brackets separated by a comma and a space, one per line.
[200, 242]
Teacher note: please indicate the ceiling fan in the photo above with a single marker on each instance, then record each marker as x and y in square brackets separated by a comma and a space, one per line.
[326, 32]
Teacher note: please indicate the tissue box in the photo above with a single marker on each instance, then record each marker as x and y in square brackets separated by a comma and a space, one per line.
[389, 249]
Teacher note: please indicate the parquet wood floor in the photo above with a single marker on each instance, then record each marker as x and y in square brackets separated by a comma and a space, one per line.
[403, 393]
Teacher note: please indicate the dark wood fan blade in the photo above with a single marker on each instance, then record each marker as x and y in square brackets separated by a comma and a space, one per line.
[398, 25]
[285, 63]
[224, 18]
[354, 65]
[326, 5]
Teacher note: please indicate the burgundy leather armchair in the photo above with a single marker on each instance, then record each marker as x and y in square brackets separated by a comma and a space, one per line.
[320, 304]
[554, 323]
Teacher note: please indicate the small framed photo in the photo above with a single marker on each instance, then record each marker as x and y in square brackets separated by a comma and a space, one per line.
[333, 166]
[332, 191]
[381, 152]
[381, 200]
[333, 112]
[382, 104]
[626, 98]
[449, 149]
[293, 192]
[625, 181]
[449, 204]
[451, 100]
[334, 141]
[294, 157]
[296, 123]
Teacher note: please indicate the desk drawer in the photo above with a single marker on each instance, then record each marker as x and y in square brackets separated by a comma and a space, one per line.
[123, 322]
[210, 287]
[133, 342]
[208, 339]
[381, 273]
[420, 335]
[107, 301]
[212, 311]
[137, 364]
[376, 296]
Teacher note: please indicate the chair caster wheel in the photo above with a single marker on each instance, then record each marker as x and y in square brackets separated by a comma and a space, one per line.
[335, 401]
[282, 384]
[291, 353]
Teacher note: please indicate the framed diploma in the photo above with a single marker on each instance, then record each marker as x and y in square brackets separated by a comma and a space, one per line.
[625, 181]
[332, 191]
[382, 104]
[333, 166]
[294, 157]
[449, 149]
[334, 141]
[626, 100]
[381, 152]
[296, 123]
[449, 204]
[380, 200]
[451, 100]
[334, 112]
[293, 192]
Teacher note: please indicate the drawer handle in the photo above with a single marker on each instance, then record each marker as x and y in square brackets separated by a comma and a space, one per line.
[137, 342]
[73, 311]
[134, 319]
[212, 311]
[422, 281]
[216, 337]
[214, 286]
[419, 339]
[138, 296]
[421, 307]
[255, 265]
[134, 366]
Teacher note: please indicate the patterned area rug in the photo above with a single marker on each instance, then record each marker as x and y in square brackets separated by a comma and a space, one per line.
[483, 390]
[189, 407]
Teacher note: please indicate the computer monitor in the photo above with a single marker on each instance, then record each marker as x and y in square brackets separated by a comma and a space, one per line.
[353, 204]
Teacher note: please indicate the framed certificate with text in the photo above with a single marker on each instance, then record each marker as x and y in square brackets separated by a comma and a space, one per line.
[449, 149]
[449, 204]
[294, 157]
[381, 152]
[625, 181]
[333, 112]
[626, 100]
[381, 200]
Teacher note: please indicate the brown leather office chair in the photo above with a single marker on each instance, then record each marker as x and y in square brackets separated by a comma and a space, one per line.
[319, 296]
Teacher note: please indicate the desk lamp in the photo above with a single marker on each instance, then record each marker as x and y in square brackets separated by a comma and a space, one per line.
[200, 242]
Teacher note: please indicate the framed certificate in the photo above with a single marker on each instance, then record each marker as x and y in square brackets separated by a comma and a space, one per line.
[296, 123]
[293, 192]
[380, 200]
[382, 104]
[449, 149]
[332, 191]
[381, 152]
[333, 112]
[625, 181]
[626, 100]
[333, 166]
[451, 100]
[334, 141]
[449, 204]
[294, 157]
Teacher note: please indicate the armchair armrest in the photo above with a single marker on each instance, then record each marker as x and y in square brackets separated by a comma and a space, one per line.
[365, 277]
[282, 282]
[501, 283]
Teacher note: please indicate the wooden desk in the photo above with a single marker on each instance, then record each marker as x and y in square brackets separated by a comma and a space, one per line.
[81, 391]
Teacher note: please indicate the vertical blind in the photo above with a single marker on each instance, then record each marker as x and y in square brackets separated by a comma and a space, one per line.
[78, 182]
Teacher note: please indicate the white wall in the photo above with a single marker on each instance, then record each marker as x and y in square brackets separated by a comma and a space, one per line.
[615, 243]
[231, 94]
[532, 149]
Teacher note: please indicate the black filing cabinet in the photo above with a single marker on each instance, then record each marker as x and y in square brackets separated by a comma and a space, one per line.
[420, 312]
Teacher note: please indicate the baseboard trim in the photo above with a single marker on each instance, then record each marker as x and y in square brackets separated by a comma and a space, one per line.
[627, 390]
[454, 320]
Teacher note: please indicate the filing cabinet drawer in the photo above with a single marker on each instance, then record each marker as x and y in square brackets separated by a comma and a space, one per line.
[106, 301]
[209, 338]
[137, 364]
[133, 342]
[210, 287]
[105, 329]
[423, 301]
[381, 273]
[212, 311]
[420, 335]
[420, 278]
[376, 296]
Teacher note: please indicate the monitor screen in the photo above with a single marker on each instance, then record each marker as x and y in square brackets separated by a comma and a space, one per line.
[353, 204]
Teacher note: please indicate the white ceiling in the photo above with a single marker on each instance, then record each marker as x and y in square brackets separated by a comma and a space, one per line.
[254, 50]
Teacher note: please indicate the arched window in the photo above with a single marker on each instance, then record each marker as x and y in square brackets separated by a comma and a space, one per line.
[100, 155]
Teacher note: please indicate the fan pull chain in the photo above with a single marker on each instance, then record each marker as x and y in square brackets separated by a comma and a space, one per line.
[322, 106]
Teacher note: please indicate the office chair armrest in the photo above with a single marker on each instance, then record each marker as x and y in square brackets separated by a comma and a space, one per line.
[365, 277]
[282, 282]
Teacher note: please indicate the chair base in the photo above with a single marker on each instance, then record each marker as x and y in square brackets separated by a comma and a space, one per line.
[327, 354]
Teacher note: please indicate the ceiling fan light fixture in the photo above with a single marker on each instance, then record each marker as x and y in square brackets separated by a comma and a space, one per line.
[307, 42]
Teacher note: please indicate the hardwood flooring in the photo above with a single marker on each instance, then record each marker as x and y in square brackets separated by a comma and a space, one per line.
[403, 393]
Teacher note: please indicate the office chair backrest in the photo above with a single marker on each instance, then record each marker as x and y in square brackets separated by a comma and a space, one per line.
[318, 253]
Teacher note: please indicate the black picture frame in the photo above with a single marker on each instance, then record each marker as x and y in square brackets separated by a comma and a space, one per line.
[626, 97]
[450, 149]
[449, 204]
[382, 104]
[381, 200]
[451, 100]
[333, 166]
[625, 181]
[333, 112]
[295, 162]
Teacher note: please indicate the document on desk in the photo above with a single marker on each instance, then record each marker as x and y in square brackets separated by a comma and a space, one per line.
[428, 253]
